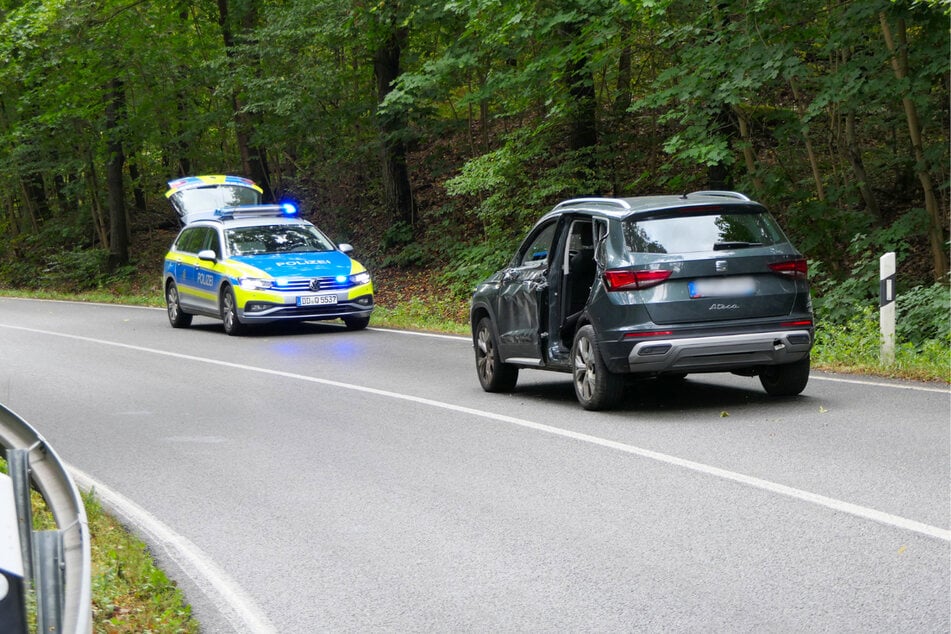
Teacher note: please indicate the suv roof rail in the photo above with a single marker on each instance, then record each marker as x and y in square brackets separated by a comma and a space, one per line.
[719, 192]
[614, 202]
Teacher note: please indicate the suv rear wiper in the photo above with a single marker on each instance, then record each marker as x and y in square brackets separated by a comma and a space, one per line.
[723, 246]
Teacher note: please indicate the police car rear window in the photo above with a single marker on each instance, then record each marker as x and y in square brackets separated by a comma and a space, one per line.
[191, 240]
[689, 231]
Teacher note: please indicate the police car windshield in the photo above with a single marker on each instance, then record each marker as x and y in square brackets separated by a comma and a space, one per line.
[270, 239]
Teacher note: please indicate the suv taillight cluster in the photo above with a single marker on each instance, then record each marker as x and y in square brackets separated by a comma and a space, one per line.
[797, 269]
[628, 280]
[637, 280]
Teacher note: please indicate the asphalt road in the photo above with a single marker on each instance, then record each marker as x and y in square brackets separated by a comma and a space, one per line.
[311, 479]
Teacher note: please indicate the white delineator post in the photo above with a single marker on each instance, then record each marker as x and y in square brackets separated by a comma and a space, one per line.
[886, 304]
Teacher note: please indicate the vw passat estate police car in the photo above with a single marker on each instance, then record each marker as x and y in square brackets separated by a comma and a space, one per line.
[654, 286]
[249, 263]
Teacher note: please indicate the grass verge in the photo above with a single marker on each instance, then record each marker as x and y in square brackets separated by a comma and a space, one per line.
[130, 594]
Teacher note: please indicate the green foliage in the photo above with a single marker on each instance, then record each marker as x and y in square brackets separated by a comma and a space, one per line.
[838, 293]
[855, 346]
[856, 339]
[78, 269]
[474, 263]
[924, 315]
[488, 99]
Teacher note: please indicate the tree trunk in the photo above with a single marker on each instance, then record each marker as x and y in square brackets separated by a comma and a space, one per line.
[582, 103]
[138, 194]
[619, 109]
[899, 57]
[858, 168]
[749, 156]
[810, 152]
[719, 175]
[115, 161]
[253, 157]
[92, 191]
[396, 184]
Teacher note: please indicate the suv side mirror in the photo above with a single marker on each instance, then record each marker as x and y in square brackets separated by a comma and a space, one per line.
[207, 255]
[344, 247]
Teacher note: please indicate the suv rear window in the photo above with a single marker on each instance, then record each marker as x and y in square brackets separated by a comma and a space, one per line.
[690, 230]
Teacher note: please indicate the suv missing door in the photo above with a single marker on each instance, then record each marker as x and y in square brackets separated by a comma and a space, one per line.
[648, 286]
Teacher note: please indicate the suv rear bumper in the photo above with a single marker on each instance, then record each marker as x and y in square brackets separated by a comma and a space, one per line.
[711, 353]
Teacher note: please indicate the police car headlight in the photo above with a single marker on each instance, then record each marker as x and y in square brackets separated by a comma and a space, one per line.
[360, 278]
[255, 284]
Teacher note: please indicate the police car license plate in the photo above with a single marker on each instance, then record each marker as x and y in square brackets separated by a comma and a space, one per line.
[316, 300]
[722, 287]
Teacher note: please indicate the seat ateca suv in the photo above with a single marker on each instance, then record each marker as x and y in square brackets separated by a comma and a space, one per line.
[654, 286]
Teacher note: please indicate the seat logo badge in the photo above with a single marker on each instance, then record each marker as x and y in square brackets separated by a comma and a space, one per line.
[721, 266]
[315, 285]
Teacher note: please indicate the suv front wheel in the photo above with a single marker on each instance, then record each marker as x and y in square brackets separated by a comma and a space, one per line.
[494, 375]
[596, 387]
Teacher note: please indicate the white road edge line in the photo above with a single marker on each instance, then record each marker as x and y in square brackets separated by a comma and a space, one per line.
[773, 487]
[231, 600]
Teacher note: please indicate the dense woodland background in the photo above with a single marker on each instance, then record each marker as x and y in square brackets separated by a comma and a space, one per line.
[432, 133]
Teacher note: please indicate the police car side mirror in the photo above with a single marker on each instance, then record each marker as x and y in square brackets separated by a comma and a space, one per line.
[343, 247]
[207, 255]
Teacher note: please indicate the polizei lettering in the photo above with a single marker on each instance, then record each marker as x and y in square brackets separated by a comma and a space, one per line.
[205, 279]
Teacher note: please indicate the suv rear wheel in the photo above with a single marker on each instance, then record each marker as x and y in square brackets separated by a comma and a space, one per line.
[785, 380]
[596, 387]
[494, 375]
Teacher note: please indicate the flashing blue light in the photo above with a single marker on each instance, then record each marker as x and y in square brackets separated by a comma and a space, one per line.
[289, 209]
[341, 279]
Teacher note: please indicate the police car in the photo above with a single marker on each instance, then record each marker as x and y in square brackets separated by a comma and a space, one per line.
[250, 263]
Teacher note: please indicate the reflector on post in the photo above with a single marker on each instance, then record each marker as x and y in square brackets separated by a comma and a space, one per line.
[886, 304]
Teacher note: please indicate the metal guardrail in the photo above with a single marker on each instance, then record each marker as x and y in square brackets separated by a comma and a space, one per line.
[57, 561]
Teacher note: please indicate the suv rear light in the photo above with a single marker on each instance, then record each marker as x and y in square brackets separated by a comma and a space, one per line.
[627, 280]
[791, 268]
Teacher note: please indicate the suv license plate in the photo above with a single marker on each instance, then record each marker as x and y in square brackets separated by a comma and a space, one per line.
[316, 300]
[742, 286]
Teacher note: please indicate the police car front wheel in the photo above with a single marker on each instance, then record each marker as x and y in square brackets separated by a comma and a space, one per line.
[229, 313]
[356, 323]
[176, 316]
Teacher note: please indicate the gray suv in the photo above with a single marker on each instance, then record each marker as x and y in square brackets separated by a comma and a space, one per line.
[653, 286]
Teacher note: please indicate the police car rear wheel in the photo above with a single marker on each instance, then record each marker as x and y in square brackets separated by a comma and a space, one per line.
[229, 313]
[176, 316]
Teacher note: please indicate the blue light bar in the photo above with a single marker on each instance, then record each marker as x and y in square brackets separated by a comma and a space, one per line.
[289, 209]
